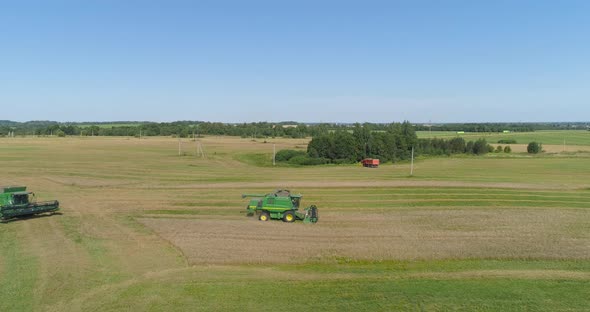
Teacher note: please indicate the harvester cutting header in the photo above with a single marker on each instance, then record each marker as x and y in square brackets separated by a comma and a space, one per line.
[280, 205]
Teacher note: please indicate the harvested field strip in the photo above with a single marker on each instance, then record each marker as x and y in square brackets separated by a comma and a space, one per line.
[19, 272]
[445, 191]
[370, 199]
[466, 194]
[451, 204]
[347, 265]
[410, 197]
[396, 192]
[407, 234]
[471, 197]
[203, 203]
[392, 204]
[216, 212]
[414, 202]
[333, 182]
[419, 294]
[230, 289]
[461, 200]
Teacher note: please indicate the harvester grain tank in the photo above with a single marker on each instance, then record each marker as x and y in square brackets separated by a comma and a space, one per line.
[16, 201]
[280, 205]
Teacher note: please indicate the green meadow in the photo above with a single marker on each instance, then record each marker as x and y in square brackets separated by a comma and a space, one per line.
[554, 137]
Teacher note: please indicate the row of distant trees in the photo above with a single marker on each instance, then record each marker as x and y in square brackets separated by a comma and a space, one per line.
[453, 146]
[180, 128]
[499, 127]
[391, 144]
[257, 130]
[395, 144]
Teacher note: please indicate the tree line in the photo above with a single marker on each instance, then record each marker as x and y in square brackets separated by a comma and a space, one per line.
[504, 126]
[179, 128]
[394, 144]
[255, 130]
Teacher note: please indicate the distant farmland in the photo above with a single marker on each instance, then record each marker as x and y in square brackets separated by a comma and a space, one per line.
[555, 137]
[142, 227]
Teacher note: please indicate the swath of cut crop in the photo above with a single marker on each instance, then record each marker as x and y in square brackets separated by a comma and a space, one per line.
[416, 234]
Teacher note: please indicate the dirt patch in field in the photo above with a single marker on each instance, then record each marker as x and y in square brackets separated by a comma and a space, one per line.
[421, 234]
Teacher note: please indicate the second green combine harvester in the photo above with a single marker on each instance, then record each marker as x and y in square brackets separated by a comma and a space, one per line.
[16, 201]
[280, 205]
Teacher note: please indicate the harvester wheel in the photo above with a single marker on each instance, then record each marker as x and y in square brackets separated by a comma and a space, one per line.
[264, 216]
[288, 216]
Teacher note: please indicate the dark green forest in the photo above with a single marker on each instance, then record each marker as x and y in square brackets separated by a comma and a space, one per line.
[393, 144]
[255, 129]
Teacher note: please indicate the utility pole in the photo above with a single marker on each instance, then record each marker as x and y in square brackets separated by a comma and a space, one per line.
[179, 146]
[412, 164]
[564, 145]
[200, 150]
[274, 153]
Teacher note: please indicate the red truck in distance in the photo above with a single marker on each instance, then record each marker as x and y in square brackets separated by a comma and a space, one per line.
[370, 163]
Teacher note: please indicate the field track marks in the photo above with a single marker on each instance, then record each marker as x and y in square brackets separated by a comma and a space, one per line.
[104, 290]
[89, 246]
[512, 274]
[419, 234]
[213, 274]
[56, 254]
[364, 184]
[125, 257]
[87, 182]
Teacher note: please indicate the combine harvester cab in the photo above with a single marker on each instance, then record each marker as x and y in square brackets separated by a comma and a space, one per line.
[15, 201]
[280, 205]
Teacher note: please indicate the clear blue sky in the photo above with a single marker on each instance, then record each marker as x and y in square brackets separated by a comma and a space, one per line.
[338, 61]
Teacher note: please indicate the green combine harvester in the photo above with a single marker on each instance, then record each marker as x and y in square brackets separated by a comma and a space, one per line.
[280, 205]
[15, 201]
